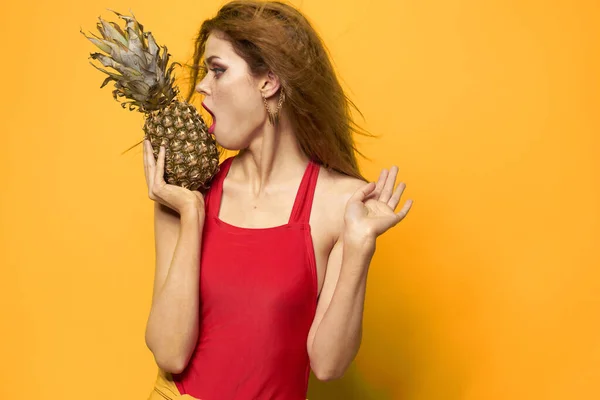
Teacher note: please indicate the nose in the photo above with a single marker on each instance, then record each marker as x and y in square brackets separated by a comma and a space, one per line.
[202, 88]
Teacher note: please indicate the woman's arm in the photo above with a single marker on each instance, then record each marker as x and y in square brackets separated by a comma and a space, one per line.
[335, 335]
[172, 327]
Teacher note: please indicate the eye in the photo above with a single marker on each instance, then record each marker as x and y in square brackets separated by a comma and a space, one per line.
[217, 71]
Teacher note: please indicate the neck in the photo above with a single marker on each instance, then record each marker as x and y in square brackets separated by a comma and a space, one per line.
[272, 159]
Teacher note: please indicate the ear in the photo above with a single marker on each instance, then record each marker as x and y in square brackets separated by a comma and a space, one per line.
[269, 84]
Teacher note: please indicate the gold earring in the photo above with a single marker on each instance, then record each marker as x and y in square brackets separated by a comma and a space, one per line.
[274, 116]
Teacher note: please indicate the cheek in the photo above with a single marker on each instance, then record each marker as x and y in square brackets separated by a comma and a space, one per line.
[244, 112]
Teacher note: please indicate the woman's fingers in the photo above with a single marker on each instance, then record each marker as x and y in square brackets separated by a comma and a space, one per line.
[151, 167]
[402, 213]
[381, 182]
[388, 188]
[145, 159]
[160, 166]
[379, 185]
[395, 199]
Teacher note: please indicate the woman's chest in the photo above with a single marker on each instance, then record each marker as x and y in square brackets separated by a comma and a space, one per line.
[262, 229]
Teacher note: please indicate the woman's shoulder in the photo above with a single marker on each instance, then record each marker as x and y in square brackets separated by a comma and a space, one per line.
[338, 185]
[332, 193]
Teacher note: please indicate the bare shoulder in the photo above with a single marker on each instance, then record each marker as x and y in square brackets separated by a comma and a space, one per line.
[333, 191]
[339, 185]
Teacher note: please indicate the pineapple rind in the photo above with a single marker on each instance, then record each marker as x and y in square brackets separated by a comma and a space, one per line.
[191, 157]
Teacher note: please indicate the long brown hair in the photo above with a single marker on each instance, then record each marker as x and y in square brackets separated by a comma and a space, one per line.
[271, 35]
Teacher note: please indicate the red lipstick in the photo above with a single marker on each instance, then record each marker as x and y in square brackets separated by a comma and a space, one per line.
[211, 129]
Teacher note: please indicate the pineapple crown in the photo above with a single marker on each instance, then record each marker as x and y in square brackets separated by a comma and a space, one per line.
[144, 78]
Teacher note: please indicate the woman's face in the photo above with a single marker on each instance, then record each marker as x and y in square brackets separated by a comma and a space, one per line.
[231, 95]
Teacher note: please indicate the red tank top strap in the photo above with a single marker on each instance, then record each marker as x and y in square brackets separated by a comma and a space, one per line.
[213, 201]
[304, 197]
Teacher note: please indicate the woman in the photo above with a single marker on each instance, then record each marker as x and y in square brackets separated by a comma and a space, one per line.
[262, 278]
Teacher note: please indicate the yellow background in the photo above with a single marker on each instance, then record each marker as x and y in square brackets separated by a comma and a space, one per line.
[489, 290]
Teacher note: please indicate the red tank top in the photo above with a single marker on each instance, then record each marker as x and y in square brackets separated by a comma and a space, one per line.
[258, 297]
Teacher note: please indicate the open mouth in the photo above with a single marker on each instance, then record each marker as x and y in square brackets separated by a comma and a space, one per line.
[211, 129]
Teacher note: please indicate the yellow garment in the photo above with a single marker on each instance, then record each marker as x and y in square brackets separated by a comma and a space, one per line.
[165, 389]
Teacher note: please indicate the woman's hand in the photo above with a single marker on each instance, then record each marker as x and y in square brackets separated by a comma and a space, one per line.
[371, 209]
[175, 197]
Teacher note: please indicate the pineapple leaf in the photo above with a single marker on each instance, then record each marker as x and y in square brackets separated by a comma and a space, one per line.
[117, 52]
[140, 87]
[132, 60]
[125, 56]
[108, 79]
[152, 46]
[135, 45]
[118, 29]
[164, 59]
[99, 38]
[130, 72]
[99, 43]
[110, 32]
[131, 23]
[172, 67]
[113, 75]
[105, 60]
[152, 68]
[136, 21]
[135, 54]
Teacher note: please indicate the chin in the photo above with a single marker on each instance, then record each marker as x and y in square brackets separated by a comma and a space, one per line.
[228, 142]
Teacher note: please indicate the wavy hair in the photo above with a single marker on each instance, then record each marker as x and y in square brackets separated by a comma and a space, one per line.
[272, 35]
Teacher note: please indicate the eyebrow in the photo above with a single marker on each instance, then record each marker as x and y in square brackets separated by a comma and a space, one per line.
[209, 59]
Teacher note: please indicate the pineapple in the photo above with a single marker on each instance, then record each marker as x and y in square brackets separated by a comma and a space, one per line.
[192, 156]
